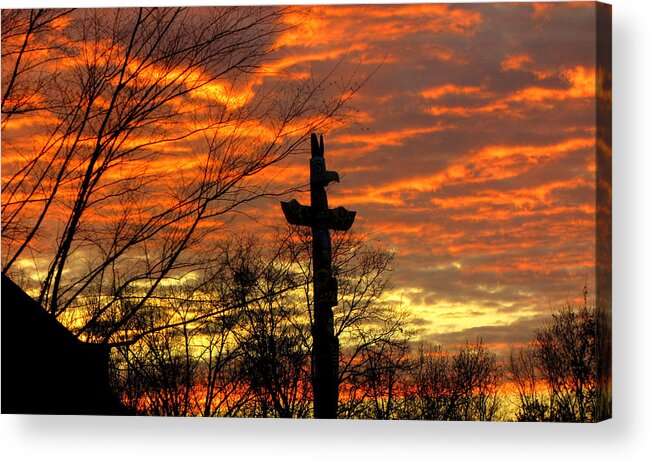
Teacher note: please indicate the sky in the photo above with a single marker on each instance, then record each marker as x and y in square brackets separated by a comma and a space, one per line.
[473, 155]
[470, 153]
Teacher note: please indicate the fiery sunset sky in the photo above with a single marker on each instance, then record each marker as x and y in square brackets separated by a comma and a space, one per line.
[472, 153]
[473, 157]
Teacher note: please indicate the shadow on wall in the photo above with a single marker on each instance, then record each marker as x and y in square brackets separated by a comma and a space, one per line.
[46, 369]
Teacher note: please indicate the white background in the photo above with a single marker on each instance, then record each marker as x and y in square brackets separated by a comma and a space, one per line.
[622, 438]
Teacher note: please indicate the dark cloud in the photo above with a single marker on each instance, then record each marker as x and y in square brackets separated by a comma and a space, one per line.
[500, 338]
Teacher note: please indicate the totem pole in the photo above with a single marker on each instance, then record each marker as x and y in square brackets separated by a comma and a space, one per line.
[325, 346]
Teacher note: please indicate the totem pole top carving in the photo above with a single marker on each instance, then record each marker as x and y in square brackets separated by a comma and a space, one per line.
[338, 219]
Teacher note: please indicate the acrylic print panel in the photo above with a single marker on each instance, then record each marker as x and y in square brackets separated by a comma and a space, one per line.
[442, 251]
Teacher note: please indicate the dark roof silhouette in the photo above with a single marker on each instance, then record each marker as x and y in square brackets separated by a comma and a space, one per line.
[46, 369]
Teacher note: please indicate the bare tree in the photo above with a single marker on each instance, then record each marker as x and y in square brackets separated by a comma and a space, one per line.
[272, 331]
[154, 375]
[375, 389]
[455, 386]
[190, 368]
[532, 399]
[32, 43]
[220, 374]
[238, 341]
[555, 375]
[156, 123]
[478, 377]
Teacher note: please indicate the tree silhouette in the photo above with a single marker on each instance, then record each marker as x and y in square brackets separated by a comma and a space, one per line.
[462, 385]
[155, 122]
[555, 375]
[237, 341]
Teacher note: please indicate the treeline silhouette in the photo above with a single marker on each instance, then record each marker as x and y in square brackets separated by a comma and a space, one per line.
[212, 359]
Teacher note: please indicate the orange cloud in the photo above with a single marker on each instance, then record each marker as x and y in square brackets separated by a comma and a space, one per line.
[446, 54]
[489, 163]
[516, 62]
[277, 67]
[581, 84]
[522, 198]
[330, 25]
[463, 111]
[541, 11]
[373, 141]
[450, 89]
